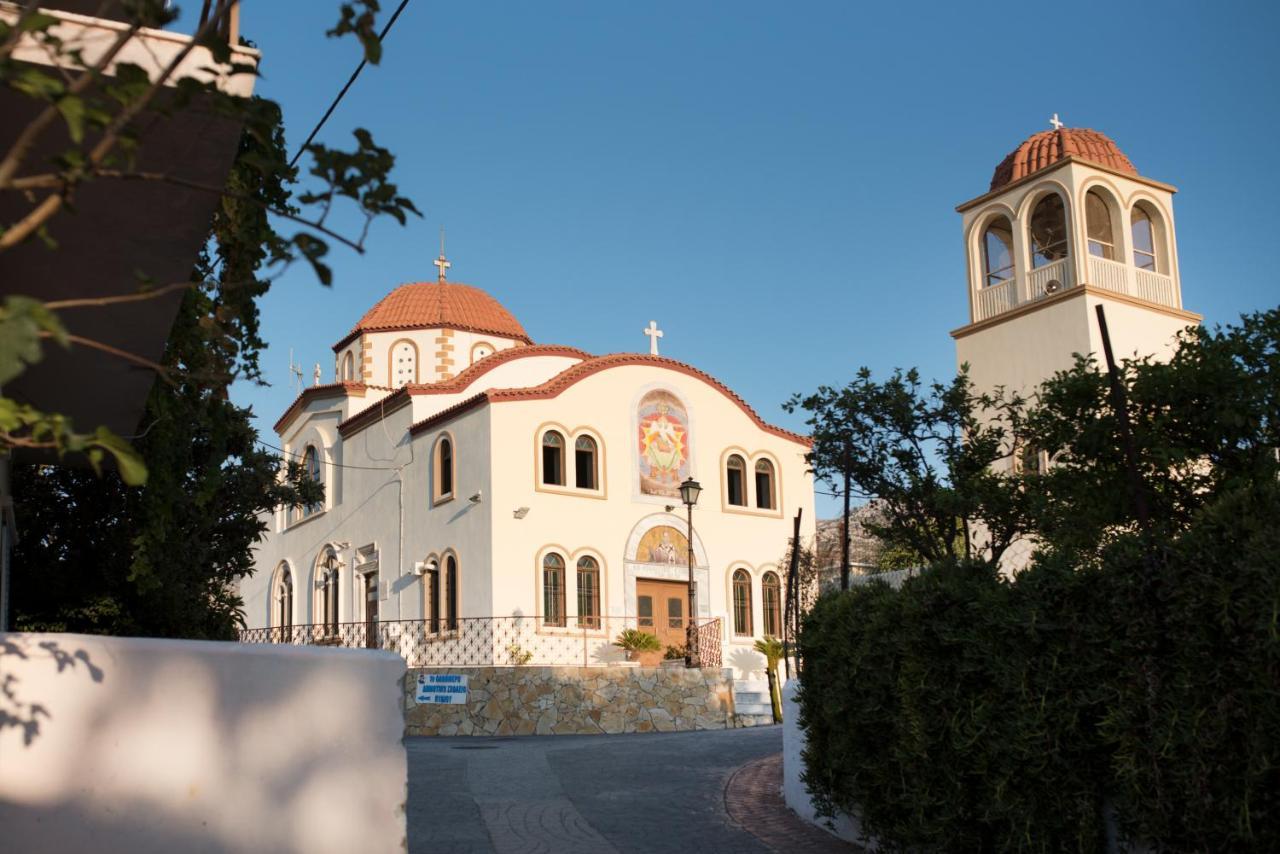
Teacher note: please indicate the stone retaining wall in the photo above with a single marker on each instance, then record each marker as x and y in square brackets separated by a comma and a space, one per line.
[575, 700]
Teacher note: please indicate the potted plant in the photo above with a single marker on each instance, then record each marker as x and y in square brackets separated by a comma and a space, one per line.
[633, 642]
[674, 656]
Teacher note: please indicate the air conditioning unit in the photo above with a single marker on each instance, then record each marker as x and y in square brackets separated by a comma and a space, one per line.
[1052, 286]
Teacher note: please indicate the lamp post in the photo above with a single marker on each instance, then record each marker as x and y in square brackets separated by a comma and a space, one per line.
[689, 492]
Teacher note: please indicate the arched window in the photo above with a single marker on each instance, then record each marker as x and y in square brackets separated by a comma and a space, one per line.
[404, 364]
[1048, 231]
[771, 596]
[742, 602]
[431, 589]
[1144, 240]
[736, 480]
[329, 594]
[553, 590]
[764, 485]
[584, 463]
[348, 367]
[283, 596]
[311, 465]
[451, 591]
[479, 350]
[588, 593]
[997, 252]
[552, 458]
[1097, 217]
[444, 468]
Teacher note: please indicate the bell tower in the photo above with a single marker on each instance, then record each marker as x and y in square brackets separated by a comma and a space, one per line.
[1067, 224]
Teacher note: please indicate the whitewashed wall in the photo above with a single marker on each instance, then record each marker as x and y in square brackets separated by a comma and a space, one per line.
[144, 745]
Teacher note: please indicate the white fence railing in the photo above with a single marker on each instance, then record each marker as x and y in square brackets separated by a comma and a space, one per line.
[1059, 271]
[1155, 287]
[996, 299]
[1109, 275]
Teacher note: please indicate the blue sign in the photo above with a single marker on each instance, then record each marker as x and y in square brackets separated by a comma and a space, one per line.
[449, 689]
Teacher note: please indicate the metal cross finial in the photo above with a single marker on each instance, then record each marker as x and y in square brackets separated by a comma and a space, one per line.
[654, 334]
[1056, 122]
[442, 262]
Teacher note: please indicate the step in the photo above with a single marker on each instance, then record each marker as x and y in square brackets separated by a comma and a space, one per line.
[752, 709]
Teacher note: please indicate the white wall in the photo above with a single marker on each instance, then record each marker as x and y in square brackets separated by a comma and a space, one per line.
[148, 745]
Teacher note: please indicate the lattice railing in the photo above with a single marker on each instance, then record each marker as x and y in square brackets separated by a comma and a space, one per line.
[484, 641]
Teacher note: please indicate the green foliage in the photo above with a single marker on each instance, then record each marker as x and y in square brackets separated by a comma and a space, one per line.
[634, 640]
[1127, 668]
[517, 655]
[773, 651]
[675, 652]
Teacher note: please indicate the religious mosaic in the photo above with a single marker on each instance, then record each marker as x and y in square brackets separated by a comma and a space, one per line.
[663, 544]
[663, 450]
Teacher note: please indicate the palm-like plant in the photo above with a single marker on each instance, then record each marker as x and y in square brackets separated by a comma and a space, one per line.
[771, 648]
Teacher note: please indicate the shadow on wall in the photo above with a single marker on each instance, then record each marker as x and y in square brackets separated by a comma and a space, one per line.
[748, 662]
[183, 745]
[17, 713]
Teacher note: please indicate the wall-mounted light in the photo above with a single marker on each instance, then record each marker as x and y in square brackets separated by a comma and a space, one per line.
[422, 567]
[521, 512]
[476, 499]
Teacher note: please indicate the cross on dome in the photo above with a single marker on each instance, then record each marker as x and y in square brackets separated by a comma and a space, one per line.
[1056, 123]
[654, 334]
[442, 262]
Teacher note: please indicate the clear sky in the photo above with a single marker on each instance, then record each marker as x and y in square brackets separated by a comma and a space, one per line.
[774, 183]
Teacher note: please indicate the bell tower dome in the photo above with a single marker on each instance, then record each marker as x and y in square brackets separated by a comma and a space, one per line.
[1067, 223]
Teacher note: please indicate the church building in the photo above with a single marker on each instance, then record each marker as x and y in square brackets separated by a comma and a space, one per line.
[479, 484]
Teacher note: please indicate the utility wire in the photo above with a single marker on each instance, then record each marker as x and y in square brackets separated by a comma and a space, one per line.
[333, 106]
[295, 455]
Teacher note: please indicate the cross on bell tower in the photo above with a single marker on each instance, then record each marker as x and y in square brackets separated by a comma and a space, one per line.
[1056, 123]
[654, 334]
[442, 263]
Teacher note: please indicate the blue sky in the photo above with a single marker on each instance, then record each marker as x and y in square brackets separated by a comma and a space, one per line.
[773, 183]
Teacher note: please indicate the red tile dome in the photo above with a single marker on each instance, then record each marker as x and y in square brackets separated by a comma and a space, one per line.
[447, 305]
[1048, 147]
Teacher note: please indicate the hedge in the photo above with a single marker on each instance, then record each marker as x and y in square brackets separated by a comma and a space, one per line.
[967, 712]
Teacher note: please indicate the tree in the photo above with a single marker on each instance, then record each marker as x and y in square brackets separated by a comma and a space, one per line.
[928, 460]
[163, 559]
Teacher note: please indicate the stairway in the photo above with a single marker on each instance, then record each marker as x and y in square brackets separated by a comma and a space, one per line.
[751, 705]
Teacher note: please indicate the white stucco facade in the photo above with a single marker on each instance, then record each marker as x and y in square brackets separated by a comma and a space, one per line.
[379, 454]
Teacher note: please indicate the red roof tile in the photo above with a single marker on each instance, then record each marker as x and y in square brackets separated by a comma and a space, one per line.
[1046, 148]
[448, 305]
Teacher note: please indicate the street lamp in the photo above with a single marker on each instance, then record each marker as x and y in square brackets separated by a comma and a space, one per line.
[689, 492]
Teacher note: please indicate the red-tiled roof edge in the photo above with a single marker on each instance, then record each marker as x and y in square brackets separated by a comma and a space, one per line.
[572, 375]
[471, 373]
[326, 390]
[375, 411]
[450, 412]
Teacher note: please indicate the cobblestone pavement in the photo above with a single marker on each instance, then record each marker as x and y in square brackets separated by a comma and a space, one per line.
[613, 794]
[753, 798]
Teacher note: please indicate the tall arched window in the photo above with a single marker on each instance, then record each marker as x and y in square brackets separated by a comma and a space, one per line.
[329, 593]
[283, 596]
[736, 480]
[1144, 240]
[348, 367]
[588, 593]
[451, 591]
[584, 463]
[431, 589]
[771, 598]
[444, 468]
[404, 364]
[553, 590]
[1097, 217]
[552, 458]
[764, 485]
[1048, 231]
[742, 602]
[997, 252]
[311, 465]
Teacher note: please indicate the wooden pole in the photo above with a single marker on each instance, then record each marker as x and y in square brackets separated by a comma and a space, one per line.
[792, 632]
[1118, 403]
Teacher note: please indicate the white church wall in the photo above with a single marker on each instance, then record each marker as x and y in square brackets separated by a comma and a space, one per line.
[517, 373]
[150, 745]
[431, 352]
[606, 402]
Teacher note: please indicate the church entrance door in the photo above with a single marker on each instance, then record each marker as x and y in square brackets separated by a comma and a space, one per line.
[661, 609]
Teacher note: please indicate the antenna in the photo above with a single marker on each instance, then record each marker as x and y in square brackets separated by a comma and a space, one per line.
[295, 370]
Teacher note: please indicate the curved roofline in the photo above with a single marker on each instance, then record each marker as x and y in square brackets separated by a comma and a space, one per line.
[459, 383]
[338, 389]
[573, 375]
[360, 328]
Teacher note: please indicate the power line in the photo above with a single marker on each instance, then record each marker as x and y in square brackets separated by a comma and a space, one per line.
[295, 455]
[333, 106]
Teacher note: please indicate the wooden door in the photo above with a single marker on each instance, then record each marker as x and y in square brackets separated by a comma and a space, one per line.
[371, 610]
[661, 608]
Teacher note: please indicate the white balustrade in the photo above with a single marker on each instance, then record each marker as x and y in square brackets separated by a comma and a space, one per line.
[1109, 275]
[996, 299]
[1059, 271]
[1155, 287]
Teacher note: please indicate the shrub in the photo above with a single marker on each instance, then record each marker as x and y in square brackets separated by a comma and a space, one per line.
[634, 640]
[675, 652]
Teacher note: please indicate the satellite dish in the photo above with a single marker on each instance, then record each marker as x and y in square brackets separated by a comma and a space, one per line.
[1052, 286]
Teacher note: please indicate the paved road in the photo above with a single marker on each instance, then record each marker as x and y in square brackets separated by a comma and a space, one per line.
[600, 794]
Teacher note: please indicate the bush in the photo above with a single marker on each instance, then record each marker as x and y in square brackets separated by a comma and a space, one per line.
[675, 652]
[966, 712]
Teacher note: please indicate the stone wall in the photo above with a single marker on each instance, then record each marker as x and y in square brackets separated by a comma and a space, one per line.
[575, 700]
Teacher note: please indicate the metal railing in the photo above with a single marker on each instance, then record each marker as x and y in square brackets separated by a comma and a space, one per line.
[486, 641]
